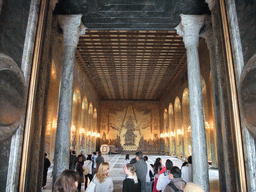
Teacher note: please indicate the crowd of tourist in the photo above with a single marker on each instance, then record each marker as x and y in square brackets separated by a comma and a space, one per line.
[140, 175]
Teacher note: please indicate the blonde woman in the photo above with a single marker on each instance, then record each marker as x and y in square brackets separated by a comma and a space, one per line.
[103, 183]
[131, 183]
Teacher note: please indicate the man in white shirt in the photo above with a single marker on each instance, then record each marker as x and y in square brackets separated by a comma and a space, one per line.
[187, 172]
[148, 179]
[163, 178]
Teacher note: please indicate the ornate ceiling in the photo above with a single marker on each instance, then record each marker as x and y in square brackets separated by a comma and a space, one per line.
[131, 50]
[137, 65]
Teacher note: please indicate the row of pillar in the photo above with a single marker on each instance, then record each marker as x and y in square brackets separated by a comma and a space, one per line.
[189, 29]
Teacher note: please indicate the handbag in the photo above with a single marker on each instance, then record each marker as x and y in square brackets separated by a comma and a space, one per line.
[86, 171]
[90, 187]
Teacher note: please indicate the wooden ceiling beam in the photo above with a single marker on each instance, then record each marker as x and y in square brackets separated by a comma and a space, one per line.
[116, 56]
[156, 48]
[125, 32]
[144, 54]
[129, 38]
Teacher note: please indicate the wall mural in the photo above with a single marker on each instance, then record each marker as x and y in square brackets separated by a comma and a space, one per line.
[73, 144]
[130, 126]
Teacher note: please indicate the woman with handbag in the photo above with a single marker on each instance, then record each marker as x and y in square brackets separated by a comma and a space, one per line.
[102, 182]
[88, 170]
[80, 170]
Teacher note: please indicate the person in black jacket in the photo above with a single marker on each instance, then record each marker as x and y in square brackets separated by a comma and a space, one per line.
[131, 183]
[47, 164]
[80, 170]
[141, 170]
[72, 160]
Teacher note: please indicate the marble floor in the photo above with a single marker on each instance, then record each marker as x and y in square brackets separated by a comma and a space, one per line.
[116, 162]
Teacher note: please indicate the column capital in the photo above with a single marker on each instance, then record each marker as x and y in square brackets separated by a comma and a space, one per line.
[72, 27]
[189, 28]
[211, 4]
[207, 32]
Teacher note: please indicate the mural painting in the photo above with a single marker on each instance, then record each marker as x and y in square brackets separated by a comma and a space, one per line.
[73, 144]
[82, 142]
[130, 126]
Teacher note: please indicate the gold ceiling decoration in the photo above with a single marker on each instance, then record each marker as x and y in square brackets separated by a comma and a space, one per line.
[131, 65]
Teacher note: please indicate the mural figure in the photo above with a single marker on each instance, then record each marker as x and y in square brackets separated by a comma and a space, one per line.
[83, 142]
[141, 144]
[104, 137]
[74, 142]
[118, 144]
[129, 135]
[88, 147]
[149, 145]
[161, 145]
[131, 128]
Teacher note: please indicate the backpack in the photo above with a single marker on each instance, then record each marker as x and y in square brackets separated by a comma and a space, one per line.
[171, 184]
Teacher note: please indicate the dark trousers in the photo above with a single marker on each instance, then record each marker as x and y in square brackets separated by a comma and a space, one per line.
[93, 171]
[79, 187]
[44, 177]
[86, 180]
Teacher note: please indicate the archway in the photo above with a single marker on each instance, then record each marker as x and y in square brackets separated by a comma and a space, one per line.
[186, 123]
[178, 128]
[171, 131]
[76, 120]
[165, 132]
[206, 119]
[213, 127]
[90, 128]
[84, 120]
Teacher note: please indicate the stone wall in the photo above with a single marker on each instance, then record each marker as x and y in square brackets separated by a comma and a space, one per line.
[247, 21]
[13, 24]
[178, 95]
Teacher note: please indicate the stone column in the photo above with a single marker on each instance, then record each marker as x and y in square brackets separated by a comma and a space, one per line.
[207, 34]
[72, 28]
[189, 29]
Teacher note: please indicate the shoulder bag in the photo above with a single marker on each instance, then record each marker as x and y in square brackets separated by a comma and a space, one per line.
[171, 184]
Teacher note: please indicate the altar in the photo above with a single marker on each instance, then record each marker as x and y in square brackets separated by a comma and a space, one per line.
[130, 148]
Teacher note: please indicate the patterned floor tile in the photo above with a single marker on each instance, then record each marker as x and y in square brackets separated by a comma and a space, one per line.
[117, 162]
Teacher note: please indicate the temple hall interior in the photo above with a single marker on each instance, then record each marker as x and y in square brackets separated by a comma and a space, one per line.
[170, 78]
